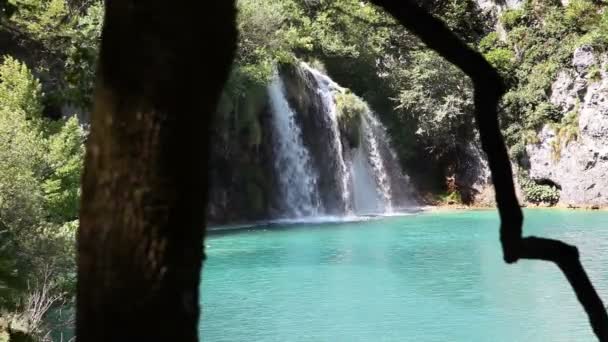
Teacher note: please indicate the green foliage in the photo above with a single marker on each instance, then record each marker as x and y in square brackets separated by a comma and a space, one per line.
[12, 282]
[19, 90]
[594, 74]
[45, 20]
[566, 131]
[464, 17]
[512, 18]
[349, 28]
[543, 113]
[597, 36]
[453, 197]
[581, 14]
[490, 42]
[350, 110]
[517, 151]
[65, 158]
[81, 56]
[21, 146]
[40, 163]
[501, 58]
[542, 41]
[269, 35]
[538, 193]
[449, 197]
[439, 97]
[21, 166]
[63, 36]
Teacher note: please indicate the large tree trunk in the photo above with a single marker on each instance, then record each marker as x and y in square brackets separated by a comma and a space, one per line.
[140, 242]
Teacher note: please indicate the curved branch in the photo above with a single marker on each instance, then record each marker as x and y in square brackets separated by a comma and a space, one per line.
[489, 88]
[566, 257]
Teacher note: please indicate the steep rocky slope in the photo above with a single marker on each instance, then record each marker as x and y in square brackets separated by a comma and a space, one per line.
[579, 165]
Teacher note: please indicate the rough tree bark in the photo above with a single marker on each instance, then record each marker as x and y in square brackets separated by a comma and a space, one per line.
[489, 88]
[140, 241]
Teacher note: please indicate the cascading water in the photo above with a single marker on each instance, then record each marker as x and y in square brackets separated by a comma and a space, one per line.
[366, 186]
[369, 127]
[313, 158]
[326, 89]
[296, 177]
[366, 199]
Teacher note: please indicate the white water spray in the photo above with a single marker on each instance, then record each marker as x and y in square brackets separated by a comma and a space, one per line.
[369, 126]
[326, 90]
[297, 179]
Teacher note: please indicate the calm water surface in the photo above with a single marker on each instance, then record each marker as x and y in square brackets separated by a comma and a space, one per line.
[423, 277]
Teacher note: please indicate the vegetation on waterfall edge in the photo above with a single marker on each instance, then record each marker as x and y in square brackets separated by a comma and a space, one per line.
[350, 110]
[47, 76]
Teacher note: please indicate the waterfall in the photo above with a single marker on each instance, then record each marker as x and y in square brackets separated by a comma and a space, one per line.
[310, 161]
[296, 177]
[371, 180]
[326, 88]
[369, 128]
[366, 199]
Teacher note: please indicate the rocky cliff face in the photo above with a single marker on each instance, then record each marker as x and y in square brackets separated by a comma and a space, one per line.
[494, 8]
[579, 165]
[498, 7]
[474, 182]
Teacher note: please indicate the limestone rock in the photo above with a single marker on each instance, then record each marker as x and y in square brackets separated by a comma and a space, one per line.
[475, 180]
[583, 58]
[581, 168]
[567, 90]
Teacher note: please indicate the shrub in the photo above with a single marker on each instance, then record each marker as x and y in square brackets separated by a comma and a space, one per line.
[598, 36]
[501, 58]
[350, 110]
[543, 113]
[452, 197]
[518, 150]
[538, 193]
[581, 14]
[19, 89]
[512, 18]
[489, 42]
[565, 132]
[65, 157]
[40, 165]
[594, 74]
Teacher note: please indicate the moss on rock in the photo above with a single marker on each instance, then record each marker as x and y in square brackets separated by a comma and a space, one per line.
[350, 109]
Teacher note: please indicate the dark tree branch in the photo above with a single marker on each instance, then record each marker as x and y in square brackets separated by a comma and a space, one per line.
[566, 257]
[489, 88]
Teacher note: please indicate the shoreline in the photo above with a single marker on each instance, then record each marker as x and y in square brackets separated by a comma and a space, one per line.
[440, 207]
[214, 226]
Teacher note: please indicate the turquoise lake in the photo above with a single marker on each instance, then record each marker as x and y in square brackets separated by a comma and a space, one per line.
[433, 276]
